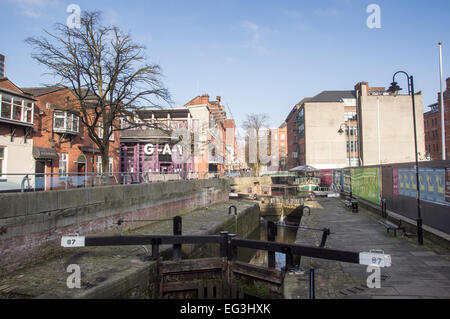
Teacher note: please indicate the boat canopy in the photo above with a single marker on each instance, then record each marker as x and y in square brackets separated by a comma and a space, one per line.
[305, 168]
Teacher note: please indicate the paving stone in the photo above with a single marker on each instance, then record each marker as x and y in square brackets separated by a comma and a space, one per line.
[416, 272]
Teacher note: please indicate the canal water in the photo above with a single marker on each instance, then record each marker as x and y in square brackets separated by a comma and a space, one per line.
[286, 233]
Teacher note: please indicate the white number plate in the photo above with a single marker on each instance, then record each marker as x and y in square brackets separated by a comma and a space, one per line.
[373, 259]
[72, 241]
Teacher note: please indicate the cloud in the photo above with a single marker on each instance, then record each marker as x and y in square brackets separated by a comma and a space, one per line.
[33, 8]
[292, 13]
[255, 31]
[112, 17]
[327, 12]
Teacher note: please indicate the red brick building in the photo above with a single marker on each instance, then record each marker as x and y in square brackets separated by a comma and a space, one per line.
[295, 130]
[214, 155]
[62, 145]
[433, 127]
[283, 146]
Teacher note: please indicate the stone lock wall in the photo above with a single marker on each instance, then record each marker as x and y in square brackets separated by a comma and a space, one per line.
[31, 224]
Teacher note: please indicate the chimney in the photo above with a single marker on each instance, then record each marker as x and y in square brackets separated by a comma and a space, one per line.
[204, 99]
[363, 88]
[218, 99]
[448, 84]
[2, 66]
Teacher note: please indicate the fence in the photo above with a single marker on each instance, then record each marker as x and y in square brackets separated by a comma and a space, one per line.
[397, 185]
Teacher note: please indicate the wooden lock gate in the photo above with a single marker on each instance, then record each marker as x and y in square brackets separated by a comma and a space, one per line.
[224, 277]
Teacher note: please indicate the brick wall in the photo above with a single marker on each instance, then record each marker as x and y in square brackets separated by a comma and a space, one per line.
[45, 136]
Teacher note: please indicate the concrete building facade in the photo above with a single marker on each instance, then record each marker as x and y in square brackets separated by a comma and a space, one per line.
[386, 124]
[361, 127]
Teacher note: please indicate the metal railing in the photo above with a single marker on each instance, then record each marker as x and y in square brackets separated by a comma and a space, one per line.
[229, 245]
[35, 182]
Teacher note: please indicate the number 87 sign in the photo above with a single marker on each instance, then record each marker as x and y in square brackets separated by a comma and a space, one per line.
[72, 241]
[375, 259]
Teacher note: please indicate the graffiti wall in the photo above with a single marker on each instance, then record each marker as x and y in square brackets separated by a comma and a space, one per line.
[366, 183]
[432, 182]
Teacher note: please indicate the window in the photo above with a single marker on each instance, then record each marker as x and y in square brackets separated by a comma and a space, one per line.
[99, 165]
[2, 159]
[66, 122]
[6, 107]
[352, 146]
[17, 110]
[282, 137]
[28, 115]
[111, 138]
[100, 130]
[111, 166]
[350, 116]
[63, 163]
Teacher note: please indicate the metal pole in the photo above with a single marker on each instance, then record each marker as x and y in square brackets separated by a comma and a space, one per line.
[419, 213]
[312, 294]
[177, 227]
[444, 148]
[271, 236]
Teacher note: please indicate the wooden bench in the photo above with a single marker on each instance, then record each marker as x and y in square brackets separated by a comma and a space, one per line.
[391, 226]
[351, 203]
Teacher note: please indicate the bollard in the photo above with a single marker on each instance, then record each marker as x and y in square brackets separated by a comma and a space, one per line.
[355, 206]
[177, 230]
[289, 259]
[271, 236]
[384, 208]
[231, 249]
[326, 233]
[312, 294]
[155, 249]
[224, 244]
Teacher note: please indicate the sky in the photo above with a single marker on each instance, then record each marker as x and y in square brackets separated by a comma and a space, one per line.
[260, 56]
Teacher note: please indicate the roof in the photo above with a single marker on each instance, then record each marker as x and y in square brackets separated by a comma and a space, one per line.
[163, 113]
[39, 91]
[304, 168]
[296, 107]
[16, 91]
[144, 134]
[24, 96]
[332, 96]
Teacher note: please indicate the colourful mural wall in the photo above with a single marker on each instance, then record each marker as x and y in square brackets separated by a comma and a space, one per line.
[432, 182]
[366, 183]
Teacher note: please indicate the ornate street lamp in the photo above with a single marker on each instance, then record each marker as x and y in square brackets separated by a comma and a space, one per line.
[348, 151]
[394, 89]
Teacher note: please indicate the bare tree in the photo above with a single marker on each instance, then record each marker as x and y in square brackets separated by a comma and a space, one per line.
[106, 71]
[255, 123]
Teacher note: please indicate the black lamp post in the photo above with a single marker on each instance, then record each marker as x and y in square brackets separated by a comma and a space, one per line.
[348, 151]
[395, 89]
